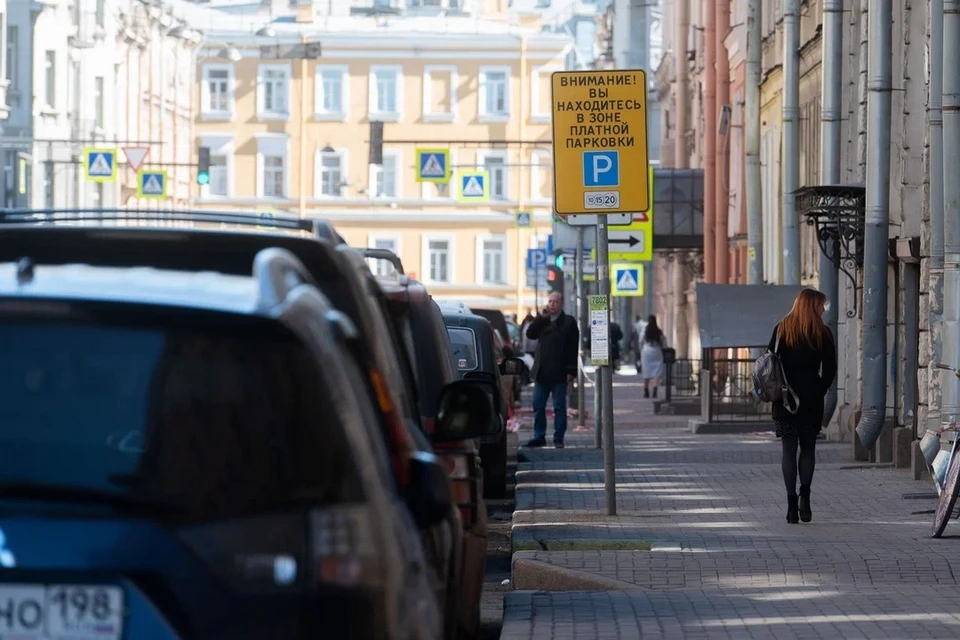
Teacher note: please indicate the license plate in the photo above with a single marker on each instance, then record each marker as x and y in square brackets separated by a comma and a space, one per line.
[60, 612]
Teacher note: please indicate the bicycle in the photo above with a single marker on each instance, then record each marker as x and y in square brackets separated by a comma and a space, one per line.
[951, 479]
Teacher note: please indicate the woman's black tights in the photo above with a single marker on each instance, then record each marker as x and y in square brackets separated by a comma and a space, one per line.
[807, 443]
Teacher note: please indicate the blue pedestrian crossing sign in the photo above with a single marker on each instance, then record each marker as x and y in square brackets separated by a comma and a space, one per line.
[601, 169]
[433, 165]
[524, 218]
[151, 183]
[474, 186]
[100, 165]
[627, 279]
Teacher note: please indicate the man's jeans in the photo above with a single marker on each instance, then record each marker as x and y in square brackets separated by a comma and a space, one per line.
[541, 391]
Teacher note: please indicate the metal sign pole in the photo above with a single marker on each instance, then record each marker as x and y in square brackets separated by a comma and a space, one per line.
[606, 382]
[581, 320]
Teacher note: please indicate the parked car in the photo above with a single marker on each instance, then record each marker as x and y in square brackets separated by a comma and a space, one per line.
[506, 333]
[198, 455]
[420, 323]
[479, 356]
[343, 277]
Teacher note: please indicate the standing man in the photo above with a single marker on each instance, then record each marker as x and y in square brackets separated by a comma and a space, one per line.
[554, 367]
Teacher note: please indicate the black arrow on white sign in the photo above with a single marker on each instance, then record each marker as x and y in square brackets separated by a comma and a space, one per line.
[632, 240]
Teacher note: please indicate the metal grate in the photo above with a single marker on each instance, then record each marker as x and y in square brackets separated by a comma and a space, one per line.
[731, 395]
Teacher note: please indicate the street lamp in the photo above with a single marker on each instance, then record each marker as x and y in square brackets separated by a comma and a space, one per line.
[231, 54]
[267, 31]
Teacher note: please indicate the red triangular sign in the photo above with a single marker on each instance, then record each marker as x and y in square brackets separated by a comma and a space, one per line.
[640, 217]
[135, 156]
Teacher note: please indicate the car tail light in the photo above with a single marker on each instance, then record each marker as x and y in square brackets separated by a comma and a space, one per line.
[338, 547]
[463, 485]
[397, 433]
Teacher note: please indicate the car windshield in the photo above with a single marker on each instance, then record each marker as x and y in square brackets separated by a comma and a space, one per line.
[464, 344]
[218, 419]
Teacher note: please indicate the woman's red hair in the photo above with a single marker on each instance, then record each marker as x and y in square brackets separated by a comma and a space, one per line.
[803, 324]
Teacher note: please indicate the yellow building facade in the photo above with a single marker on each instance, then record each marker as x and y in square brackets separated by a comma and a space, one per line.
[286, 115]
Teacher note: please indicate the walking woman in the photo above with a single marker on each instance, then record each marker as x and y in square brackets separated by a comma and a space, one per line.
[808, 353]
[651, 356]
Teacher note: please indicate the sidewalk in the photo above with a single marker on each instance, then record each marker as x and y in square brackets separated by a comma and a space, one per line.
[700, 547]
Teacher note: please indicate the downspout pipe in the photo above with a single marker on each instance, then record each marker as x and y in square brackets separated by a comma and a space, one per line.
[830, 145]
[752, 143]
[877, 222]
[951, 205]
[722, 239]
[710, 143]
[935, 135]
[791, 140]
[681, 156]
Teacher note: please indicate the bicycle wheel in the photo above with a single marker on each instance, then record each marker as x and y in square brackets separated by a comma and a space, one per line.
[948, 497]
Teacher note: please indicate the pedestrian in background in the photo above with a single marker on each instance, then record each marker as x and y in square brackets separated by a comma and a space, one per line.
[808, 354]
[639, 326]
[651, 356]
[554, 367]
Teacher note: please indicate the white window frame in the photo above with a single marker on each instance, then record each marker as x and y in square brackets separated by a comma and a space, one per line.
[376, 265]
[398, 177]
[504, 258]
[425, 258]
[482, 114]
[430, 187]
[262, 113]
[535, 97]
[205, 112]
[344, 156]
[502, 154]
[428, 70]
[372, 112]
[220, 144]
[273, 144]
[332, 116]
[540, 160]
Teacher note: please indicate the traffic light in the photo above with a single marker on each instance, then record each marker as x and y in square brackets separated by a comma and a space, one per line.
[203, 166]
[555, 278]
[558, 259]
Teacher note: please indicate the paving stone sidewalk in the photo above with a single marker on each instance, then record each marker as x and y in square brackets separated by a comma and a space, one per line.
[702, 550]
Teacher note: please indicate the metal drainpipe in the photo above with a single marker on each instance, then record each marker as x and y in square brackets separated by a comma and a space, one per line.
[791, 140]
[722, 174]
[681, 109]
[877, 221]
[935, 288]
[830, 118]
[951, 204]
[752, 143]
[709, 144]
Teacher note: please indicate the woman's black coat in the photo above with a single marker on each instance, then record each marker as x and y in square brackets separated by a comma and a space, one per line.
[810, 372]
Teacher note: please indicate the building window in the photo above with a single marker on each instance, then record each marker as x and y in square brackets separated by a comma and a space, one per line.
[437, 259]
[273, 83]
[541, 175]
[98, 101]
[385, 178]
[332, 83]
[494, 93]
[272, 165]
[50, 79]
[217, 90]
[540, 92]
[221, 166]
[101, 13]
[439, 93]
[389, 243]
[386, 86]
[495, 162]
[331, 168]
[219, 176]
[98, 192]
[492, 256]
[49, 184]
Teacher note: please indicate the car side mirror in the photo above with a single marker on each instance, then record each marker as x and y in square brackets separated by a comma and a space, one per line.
[465, 412]
[512, 367]
[429, 497]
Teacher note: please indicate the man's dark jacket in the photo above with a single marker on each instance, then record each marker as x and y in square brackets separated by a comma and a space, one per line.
[558, 343]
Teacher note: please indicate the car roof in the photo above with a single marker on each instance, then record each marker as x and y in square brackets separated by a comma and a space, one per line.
[139, 285]
[470, 320]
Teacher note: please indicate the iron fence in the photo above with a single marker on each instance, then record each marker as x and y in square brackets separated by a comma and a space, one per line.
[731, 394]
[683, 378]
